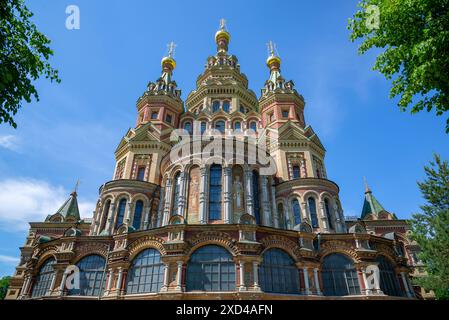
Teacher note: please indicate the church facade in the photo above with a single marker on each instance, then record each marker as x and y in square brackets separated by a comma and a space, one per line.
[222, 196]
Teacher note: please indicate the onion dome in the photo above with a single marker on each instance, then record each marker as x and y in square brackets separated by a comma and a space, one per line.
[273, 61]
[222, 37]
[168, 63]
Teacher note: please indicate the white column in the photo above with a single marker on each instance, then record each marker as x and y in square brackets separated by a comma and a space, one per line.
[203, 195]
[256, 275]
[52, 284]
[118, 286]
[305, 212]
[166, 275]
[168, 197]
[406, 286]
[179, 275]
[62, 284]
[242, 276]
[146, 221]
[160, 209]
[128, 214]
[109, 284]
[227, 194]
[274, 206]
[265, 201]
[25, 287]
[324, 224]
[306, 280]
[249, 191]
[368, 291]
[182, 194]
[317, 282]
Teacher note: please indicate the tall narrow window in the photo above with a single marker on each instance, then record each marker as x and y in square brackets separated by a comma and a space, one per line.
[256, 200]
[313, 215]
[146, 273]
[285, 113]
[188, 127]
[215, 106]
[154, 115]
[242, 109]
[328, 213]
[44, 279]
[237, 125]
[388, 279]
[278, 272]
[92, 277]
[226, 106]
[220, 126]
[339, 276]
[168, 118]
[138, 214]
[215, 192]
[104, 218]
[120, 213]
[176, 185]
[203, 127]
[141, 173]
[296, 211]
[281, 216]
[296, 172]
[253, 125]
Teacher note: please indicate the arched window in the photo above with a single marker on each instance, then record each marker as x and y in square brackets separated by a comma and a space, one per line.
[328, 213]
[92, 276]
[176, 186]
[44, 279]
[104, 217]
[278, 272]
[120, 213]
[215, 106]
[146, 273]
[203, 127]
[210, 268]
[138, 214]
[296, 211]
[226, 106]
[313, 215]
[339, 276]
[253, 126]
[389, 283]
[215, 192]
[220, 126]
[296, 172]
[188, 127]
[281, 216]
[256, 196]
[237, 125]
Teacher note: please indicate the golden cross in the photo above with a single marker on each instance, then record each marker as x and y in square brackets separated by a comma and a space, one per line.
[271, 47]
[171, 49]
[222, 24]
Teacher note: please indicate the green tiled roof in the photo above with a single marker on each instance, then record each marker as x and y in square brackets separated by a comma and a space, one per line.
[371, 205]
[70, 208]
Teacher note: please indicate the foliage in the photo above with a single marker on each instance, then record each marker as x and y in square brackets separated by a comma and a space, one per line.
[4, 284]
[24, 54]
[431, 228]
[415, 37]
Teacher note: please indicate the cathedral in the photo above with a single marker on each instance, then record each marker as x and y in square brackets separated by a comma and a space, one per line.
[222, 196]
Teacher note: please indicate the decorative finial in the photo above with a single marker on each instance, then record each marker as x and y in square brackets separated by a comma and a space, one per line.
[367, 189]
[273, 61]
[171, 49]
[222, 24]
[271, 48]
[74, 193]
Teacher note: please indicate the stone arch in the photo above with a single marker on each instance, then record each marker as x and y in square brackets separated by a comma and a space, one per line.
[386, 251]
[280, 242]
[42, 255]
[147, 242]
[91, 248]
[338, 247]
[123, 194]
[311, 193]
[213, 237]
[140, 196]
[325, 194]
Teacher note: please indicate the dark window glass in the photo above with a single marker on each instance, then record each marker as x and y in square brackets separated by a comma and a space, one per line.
[226, 106]
[215, 106]
[242, 109]
[237, 125]
[104, 218]
[285, 113]
[313, 214]
[168, 118]
[210, 268]
[253, 126]
[92, 276]
[141, 173]
[296, 172]
[120, 213]
[215, 191]
[281, 216]
[256, 196]
[339, 276]
[138, 214]
[154, 115]
[203, 127]
[389, 283]
[296, 211]
[43, 279]
[278, 272]
[188, 127]
[146, 273]
[176, 185]
[328, 213]
[220, 126]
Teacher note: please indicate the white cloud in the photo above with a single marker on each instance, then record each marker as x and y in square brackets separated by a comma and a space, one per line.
[9, 142]
[27, 200]
[9, 260]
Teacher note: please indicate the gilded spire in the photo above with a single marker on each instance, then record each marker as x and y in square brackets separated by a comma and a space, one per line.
[367, 189]
[273, 61]
[222, 37]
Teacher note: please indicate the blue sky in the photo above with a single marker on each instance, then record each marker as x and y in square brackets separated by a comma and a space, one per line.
[72, 132]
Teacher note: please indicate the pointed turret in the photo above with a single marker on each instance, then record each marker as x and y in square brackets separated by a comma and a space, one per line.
[68, 211]
[372, 209]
